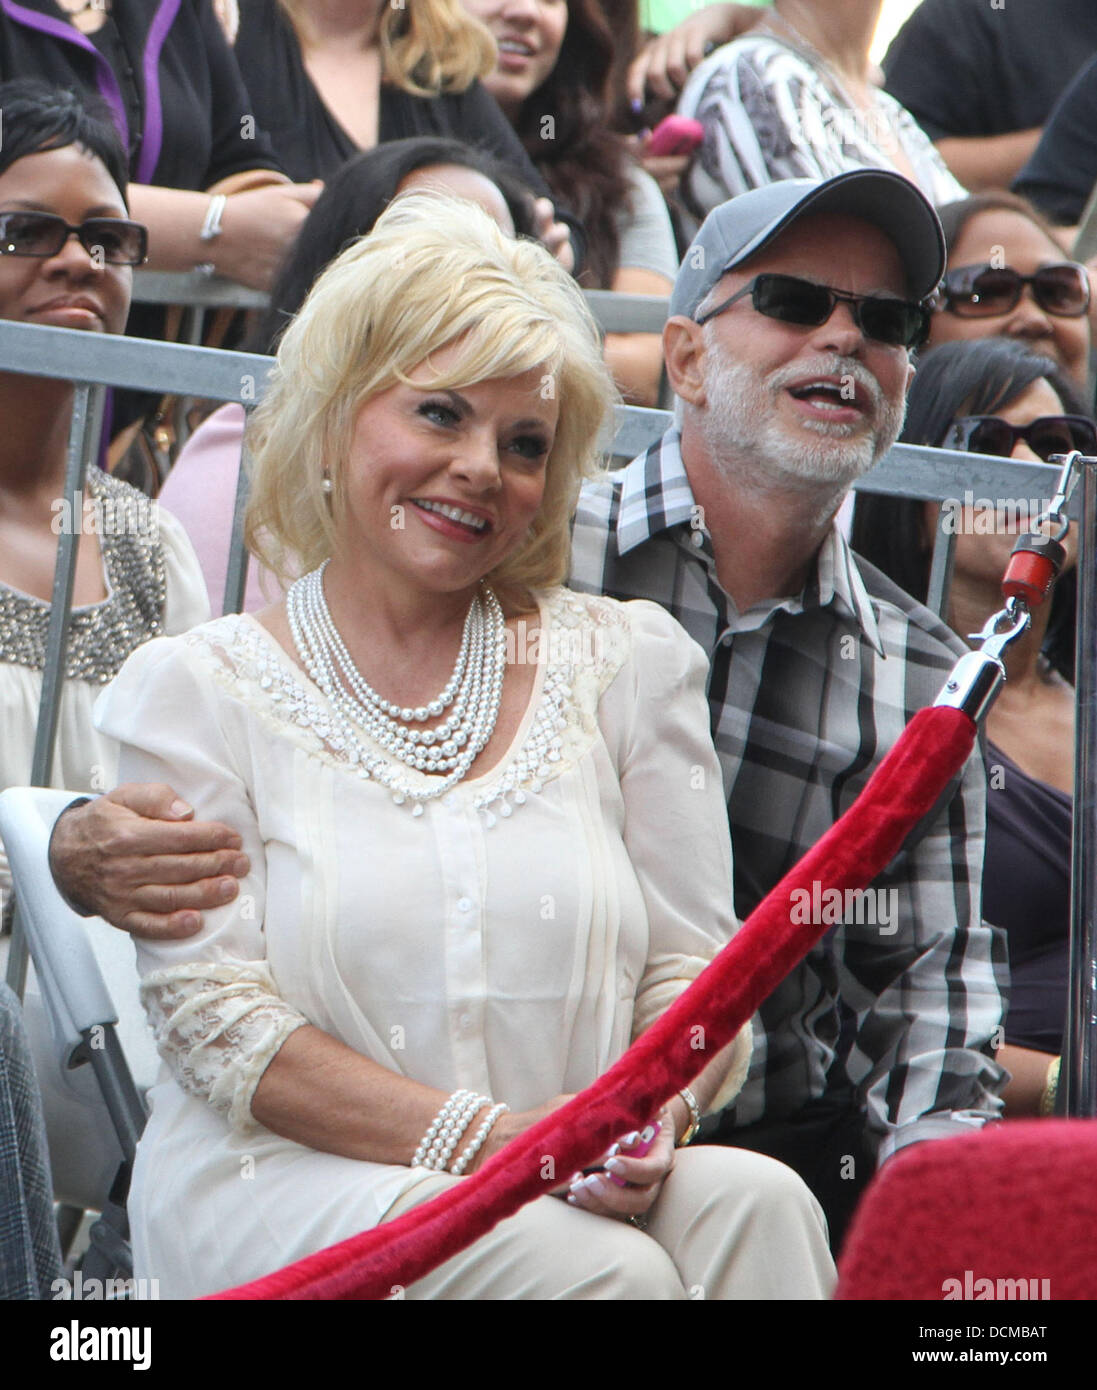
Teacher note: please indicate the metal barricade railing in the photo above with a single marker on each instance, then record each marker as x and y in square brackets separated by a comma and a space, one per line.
[93, 362]
[197, 292]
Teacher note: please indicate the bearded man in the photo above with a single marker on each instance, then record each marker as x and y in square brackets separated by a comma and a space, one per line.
[793, 320]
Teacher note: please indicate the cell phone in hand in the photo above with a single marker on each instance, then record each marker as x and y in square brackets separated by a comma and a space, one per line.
[675, 135]
[648, 1136]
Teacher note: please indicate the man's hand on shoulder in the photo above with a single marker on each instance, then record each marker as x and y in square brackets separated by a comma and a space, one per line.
[139, 858]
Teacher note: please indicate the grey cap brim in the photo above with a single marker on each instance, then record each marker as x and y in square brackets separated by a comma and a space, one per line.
[739, 229]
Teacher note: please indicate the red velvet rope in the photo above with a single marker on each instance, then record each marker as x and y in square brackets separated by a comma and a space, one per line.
[378, 1262]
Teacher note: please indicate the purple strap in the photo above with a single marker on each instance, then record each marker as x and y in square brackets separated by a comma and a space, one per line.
[106, 81]
[154, 113]
[59, 29]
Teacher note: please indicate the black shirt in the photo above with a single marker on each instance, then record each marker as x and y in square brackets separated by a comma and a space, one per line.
[1026, 890]
[971, 67]
[310, 142]
[1061, 173]
[168, 73]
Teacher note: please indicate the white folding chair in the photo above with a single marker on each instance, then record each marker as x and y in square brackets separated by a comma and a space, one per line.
[81, 1006]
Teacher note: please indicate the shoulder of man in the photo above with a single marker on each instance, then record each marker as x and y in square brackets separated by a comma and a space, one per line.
[593, 532]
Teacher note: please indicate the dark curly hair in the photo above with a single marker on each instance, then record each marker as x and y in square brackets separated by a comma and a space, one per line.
[564, 126]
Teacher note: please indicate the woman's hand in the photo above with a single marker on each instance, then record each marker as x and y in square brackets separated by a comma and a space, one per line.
[556, 236]
[258, 229]
[644, 1176]
[509, 1125]
[666, 169]
[664, 63]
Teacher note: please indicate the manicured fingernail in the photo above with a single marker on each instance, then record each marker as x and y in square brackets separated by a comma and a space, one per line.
[615, 1149]
[615, 1165]
[180, 808]
[630, 1140]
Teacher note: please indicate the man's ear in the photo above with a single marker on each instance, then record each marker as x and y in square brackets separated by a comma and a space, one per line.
[684, 351]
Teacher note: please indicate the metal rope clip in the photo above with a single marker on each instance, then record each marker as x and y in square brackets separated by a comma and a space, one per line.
[1053, 513]
[977, 677]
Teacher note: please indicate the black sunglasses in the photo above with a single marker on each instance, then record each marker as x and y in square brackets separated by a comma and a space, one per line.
[897, 322]
[981, 291]
[1050, 434]
[110, 240]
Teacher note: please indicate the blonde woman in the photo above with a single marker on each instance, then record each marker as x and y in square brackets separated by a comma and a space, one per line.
[466, 794]
[329, 78]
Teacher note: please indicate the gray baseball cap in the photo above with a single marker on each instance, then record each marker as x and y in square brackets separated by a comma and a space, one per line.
[737, 229]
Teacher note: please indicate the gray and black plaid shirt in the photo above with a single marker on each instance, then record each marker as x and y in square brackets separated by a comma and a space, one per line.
[806, 697]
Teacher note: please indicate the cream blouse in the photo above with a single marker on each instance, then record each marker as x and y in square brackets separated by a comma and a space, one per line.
[512, 939]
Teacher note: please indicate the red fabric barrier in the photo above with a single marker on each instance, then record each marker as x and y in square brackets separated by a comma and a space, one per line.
[1008, 1213]
[904, 788]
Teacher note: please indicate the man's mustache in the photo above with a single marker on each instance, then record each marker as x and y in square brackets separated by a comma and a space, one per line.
[840, 368]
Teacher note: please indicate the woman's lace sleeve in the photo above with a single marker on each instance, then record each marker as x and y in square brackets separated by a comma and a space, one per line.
[218, 1027]
[211, 999]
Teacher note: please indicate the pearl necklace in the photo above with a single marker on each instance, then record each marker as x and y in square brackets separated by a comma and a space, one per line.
[474, 690]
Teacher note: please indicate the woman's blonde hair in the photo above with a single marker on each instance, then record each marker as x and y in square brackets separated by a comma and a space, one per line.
[434, 271]
[427, 46]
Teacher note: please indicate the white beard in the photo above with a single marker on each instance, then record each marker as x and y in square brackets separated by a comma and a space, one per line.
[740, 424]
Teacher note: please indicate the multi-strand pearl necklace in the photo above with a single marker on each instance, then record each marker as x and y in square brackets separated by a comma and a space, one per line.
[475, 692]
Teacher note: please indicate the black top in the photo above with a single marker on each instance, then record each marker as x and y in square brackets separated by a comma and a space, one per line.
[1026, 890]
[970, 67]
[310, 142]
[1063, 169]
[168, 73]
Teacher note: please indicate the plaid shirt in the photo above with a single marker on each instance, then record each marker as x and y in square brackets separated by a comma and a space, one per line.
[806, 697]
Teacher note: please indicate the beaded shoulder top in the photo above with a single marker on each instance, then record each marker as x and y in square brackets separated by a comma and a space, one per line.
[102, 635]
[580, 645]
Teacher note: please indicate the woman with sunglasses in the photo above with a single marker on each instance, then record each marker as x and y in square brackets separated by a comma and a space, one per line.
[67, 251]
[1008, 277]
[994, 397]
[205, 179]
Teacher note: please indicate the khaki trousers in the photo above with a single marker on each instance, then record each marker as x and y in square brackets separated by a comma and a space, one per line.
[728, 1224]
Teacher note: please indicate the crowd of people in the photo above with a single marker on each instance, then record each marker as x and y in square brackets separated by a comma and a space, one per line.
[424, 191]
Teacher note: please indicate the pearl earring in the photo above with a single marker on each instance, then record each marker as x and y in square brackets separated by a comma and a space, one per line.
[326, 485]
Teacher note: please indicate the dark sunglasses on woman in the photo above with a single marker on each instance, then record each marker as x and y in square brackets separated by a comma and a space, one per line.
[896, 322]
[110, 240]
[982, 291]
[1050, 434]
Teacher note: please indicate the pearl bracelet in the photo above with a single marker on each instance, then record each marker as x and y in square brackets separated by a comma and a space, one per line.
[428, 1139]
[453, 1132]
[478, 1139]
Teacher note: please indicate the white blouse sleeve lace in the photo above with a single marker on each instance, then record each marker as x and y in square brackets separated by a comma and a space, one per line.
[211, 998]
